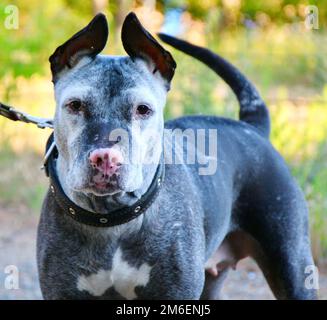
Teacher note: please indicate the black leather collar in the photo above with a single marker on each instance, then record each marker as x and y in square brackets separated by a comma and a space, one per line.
[83, 216]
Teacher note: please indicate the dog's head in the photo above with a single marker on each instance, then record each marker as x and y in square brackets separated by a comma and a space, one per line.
[109, 115]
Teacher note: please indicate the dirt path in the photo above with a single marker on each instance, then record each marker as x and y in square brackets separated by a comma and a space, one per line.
[17, 247]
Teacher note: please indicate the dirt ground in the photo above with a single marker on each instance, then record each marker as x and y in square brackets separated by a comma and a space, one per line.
[17, 247]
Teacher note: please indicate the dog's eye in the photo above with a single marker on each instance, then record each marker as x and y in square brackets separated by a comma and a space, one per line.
[143, 110]
[74, 106]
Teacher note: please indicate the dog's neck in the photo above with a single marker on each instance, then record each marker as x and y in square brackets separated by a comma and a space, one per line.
[104, 204]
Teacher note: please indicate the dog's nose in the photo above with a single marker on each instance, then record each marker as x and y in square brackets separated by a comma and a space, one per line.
[106, 160]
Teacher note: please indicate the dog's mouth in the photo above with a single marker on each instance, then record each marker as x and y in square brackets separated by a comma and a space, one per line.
[99, 184]
[105, 185]
[104, 189]
[100, 191]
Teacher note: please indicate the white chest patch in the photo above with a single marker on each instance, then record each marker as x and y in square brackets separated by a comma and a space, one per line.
[122, 276]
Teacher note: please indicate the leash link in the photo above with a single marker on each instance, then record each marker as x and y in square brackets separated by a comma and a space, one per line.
[16, 115]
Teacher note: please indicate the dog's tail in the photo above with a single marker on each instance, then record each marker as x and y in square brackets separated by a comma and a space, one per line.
[252, 108]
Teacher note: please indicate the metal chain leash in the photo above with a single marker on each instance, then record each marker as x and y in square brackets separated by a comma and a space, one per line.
[16, 115]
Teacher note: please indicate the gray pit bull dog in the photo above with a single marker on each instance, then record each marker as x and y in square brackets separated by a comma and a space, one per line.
[184, 235]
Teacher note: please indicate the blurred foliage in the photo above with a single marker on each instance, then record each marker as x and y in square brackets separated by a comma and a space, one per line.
[45, 23]
[234, 13]
[265, 39]
[24, 52]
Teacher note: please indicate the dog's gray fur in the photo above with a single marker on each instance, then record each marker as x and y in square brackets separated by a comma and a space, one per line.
[163, 253]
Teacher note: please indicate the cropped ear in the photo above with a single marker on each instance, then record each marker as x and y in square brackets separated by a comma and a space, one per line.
[139, 43]
[89, 42]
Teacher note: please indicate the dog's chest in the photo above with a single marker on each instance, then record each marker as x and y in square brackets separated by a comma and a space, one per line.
[123, 277]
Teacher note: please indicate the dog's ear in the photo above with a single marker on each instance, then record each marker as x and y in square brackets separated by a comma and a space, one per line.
[139, 43]
[88, 42]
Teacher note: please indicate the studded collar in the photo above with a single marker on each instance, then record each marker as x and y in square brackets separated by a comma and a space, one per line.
[117, 217]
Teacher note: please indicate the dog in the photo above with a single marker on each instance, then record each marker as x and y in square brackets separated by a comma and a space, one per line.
[113, 228]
